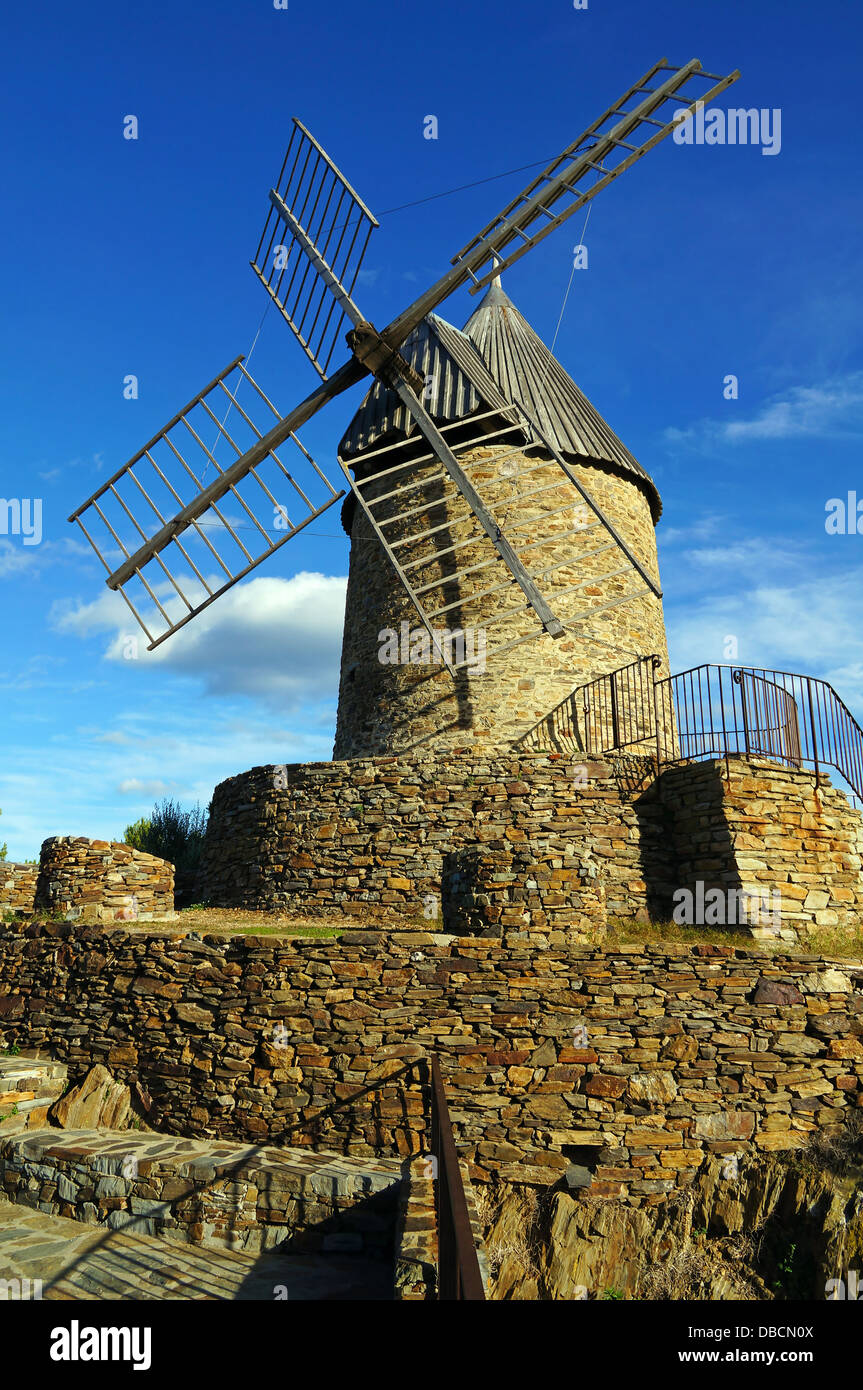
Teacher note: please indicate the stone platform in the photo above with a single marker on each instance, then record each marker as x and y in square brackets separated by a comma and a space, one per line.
[79, 1262]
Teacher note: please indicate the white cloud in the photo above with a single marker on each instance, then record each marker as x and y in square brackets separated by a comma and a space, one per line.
[275, 639]
[701, 530]
[17, 558]
[134, 786]
[812, 627]
[833, 409]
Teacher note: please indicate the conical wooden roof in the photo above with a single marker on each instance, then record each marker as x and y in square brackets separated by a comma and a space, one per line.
[526, 371]
[496, 359]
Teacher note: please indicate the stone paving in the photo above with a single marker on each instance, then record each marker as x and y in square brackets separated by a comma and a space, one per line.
[74, 1261]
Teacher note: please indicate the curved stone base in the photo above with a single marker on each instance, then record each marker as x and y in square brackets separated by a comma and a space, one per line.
[94, 881]
[375, 837]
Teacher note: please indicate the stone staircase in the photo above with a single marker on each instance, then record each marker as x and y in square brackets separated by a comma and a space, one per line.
[29, 1086]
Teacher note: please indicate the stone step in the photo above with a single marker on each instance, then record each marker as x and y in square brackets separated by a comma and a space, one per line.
[29, 1086]
[22, 1072]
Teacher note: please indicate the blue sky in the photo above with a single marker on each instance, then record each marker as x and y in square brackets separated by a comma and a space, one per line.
[127, 257]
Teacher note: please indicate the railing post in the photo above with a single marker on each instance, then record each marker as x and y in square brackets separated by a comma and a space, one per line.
[812, 727]
[655, 663]
[615, 717]
[739, 678]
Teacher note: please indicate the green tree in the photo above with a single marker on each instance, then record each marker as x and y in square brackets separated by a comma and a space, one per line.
[171, 833]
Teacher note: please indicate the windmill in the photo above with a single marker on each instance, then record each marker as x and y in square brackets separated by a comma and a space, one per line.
[156, 522]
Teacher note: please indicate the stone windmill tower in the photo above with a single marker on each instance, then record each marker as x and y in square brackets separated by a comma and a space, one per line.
[395, 691]
[502, 545]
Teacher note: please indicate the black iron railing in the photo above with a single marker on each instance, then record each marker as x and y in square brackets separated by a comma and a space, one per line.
[722, 711]
[459, 1274]
[613, 711]
[710, 711]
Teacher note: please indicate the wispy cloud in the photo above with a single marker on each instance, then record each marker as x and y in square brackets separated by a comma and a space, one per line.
[833, 409]
[134, 786]
[702, 529]
[812, 627]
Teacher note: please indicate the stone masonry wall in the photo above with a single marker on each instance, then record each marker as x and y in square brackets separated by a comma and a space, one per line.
[243, 1197]
[632, 1063]
[17, 887]
[768, 829]
[378, 836]
[393, 707]
[552, 895]
[371, 836]
[94, 881]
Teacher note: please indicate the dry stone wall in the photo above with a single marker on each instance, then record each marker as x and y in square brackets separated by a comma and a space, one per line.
[768, 830]
[625, 1067]
[553, 895]
[94, 881]
[401, 837]
[17, 887]
[372, 835]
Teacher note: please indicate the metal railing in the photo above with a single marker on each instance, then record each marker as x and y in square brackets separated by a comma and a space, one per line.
[459, 1274]
[613, 711]
[709, 711]
[723, 711]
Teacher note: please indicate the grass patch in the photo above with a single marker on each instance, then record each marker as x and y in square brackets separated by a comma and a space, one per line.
[232, 921]
[845, 943]
[626, 932]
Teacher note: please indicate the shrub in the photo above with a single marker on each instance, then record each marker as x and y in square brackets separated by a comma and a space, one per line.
[171, 833]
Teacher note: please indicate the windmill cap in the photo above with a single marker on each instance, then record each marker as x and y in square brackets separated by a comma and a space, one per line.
[495, 359]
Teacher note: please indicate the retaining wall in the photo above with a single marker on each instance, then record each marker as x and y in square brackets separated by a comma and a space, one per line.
[632, 1064]
[377, 837]
[371, 836]
[769, 830]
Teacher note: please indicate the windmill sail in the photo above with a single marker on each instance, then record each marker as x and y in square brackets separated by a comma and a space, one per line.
[614, 142]
[244, 503]
[312, 247]
[308, 258]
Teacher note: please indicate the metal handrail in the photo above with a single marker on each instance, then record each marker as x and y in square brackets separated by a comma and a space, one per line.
[723, 710]
[459, 1274]
[709, 711]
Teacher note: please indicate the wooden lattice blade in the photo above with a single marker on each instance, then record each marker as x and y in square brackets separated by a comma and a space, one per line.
[202, 505]
[600, 154]
[312, 247]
